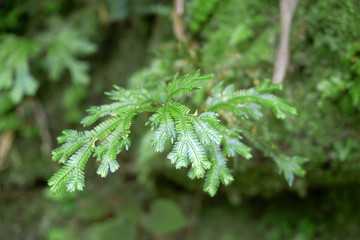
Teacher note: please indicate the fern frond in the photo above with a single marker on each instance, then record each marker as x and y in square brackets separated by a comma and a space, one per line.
[69, 135]
[108, 163]
[59, 180]
[104, 128]
[15, 72]
[233, 145]
[179, 154]
[218, 171]
[174, 121]
[195, 135]
[62, 153]
[126, 101]
[78, 147]
[106, 153]
[290, 166]
[251, 110]
[165, 125]
[203, 127]
[71, 175]
[124, 95]
[113, 145]
[64, 45]
[188, 145]
[267, 86]
[96, 112]
[240, 101]
[165, 132]
[185, 84]
[200, 142]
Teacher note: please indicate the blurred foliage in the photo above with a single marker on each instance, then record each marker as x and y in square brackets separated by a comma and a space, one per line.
[17, 66]
[164, 217]
[65, 54]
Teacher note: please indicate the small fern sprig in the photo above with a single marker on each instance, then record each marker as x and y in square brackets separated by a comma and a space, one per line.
[247, 103]
[111, 136]
[199, 141]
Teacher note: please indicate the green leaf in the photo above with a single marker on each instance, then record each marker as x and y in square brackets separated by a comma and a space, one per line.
[164, 217]
[6, 78]
[24, 85]
[241, 33]
[290, 166]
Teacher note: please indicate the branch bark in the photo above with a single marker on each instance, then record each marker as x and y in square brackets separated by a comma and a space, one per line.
[178, 20]
[287, 9]
[6, 141]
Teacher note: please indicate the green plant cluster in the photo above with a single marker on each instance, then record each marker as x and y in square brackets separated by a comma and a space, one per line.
[199, 140]
[61, 45]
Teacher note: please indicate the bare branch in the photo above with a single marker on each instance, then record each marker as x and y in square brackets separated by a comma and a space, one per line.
[6, 141]
[178, 20]
[287, 9]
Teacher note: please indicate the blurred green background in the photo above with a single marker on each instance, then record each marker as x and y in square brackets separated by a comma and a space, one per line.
[57, 58]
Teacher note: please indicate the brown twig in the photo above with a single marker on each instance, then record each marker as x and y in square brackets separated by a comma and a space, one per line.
[287, 9]
[6, 140]
[178, 20]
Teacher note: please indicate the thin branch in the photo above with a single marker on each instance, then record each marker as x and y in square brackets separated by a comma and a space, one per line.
[287, 9]
[6, 141]
[178, 20]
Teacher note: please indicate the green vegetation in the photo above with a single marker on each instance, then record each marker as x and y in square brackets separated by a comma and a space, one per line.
[197, 138]
[276, 161]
